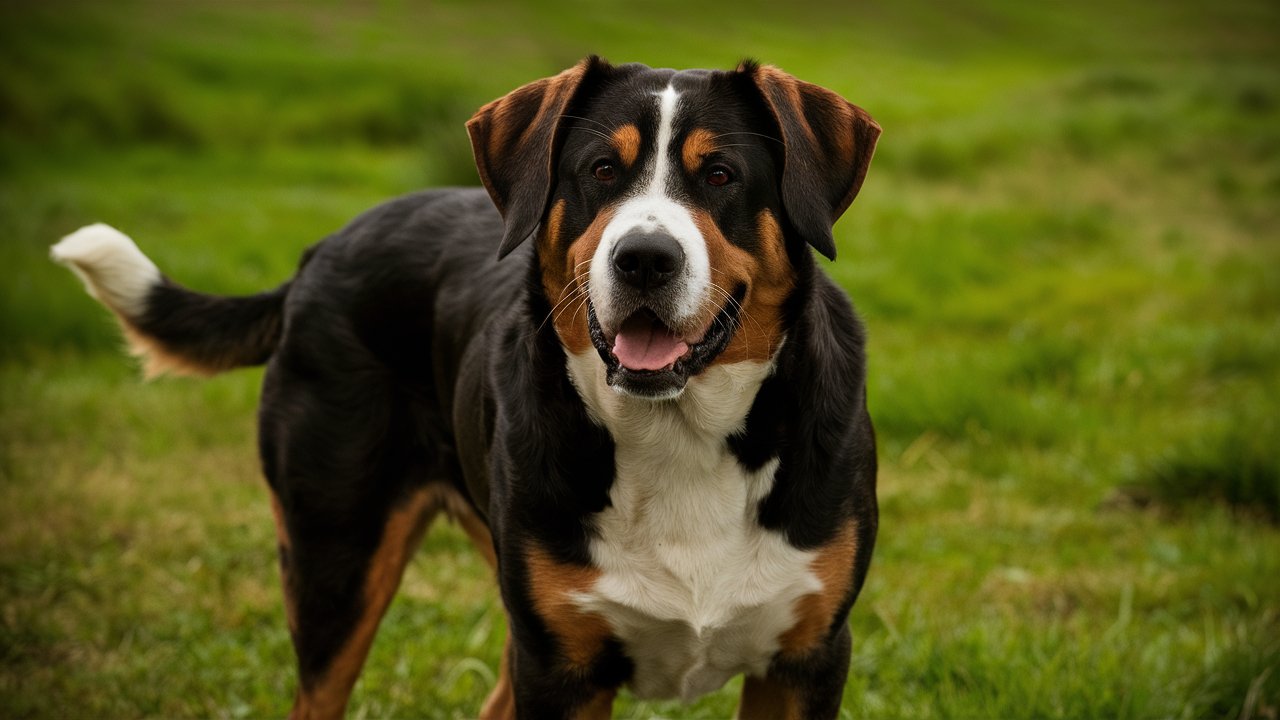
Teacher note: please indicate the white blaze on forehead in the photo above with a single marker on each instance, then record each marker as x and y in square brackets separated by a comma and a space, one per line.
[666, 117]
[653, 209]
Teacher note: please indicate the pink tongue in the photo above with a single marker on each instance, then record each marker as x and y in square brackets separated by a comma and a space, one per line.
[645, 344]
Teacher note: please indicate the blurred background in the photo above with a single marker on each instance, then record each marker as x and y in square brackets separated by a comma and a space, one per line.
[1066, 254]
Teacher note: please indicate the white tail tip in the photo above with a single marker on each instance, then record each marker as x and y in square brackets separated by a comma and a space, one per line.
[112, 267]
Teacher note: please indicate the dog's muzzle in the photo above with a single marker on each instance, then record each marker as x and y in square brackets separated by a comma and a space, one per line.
[646, 350]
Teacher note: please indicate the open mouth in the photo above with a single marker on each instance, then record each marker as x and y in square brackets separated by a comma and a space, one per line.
[646, 357]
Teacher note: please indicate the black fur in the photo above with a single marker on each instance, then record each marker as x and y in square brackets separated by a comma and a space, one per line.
[403, 354]
[213, 333]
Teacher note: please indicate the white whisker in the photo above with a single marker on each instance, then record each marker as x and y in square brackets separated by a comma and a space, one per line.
[586, 119]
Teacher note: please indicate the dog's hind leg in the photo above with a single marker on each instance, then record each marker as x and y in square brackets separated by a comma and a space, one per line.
[501, 703]
[354, 492]
[332, 643]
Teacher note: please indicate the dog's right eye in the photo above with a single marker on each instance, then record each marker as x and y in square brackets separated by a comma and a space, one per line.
[603, 171]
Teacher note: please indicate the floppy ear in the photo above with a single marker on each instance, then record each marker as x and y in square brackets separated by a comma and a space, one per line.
[513, 139]
[829, 142]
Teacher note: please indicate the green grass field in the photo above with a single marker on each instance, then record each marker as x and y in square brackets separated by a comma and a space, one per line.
[1067, 254]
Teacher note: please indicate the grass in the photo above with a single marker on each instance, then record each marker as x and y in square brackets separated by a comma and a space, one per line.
[1065, 254]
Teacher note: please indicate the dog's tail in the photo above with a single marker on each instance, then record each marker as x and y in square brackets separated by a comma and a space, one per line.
[173, 329]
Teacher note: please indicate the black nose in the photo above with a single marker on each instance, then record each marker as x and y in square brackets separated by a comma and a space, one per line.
[647, 260]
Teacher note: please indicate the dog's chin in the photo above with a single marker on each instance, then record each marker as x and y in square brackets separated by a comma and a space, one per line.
[669, 381]
[647, 384]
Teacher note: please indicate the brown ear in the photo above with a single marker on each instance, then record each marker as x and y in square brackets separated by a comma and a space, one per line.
[829, 142]
[513, 141]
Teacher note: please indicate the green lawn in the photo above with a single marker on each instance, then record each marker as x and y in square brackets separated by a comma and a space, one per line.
[1067, 254]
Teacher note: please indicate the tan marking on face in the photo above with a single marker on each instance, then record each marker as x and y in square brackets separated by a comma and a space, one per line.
[699, 143]
[767, 699]
[815, 612]
[769, 278]
[581, 636]
[327, 695]
[564, 278]
[555, 220]
[626, 140]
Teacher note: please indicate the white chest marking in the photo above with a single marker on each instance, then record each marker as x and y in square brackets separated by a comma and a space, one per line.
[691, 584]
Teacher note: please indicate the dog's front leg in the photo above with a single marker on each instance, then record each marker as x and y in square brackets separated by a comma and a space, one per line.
[809, 686]
[564, 661]
[558, 692]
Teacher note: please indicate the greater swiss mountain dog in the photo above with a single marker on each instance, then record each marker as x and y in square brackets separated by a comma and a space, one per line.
[629, 383]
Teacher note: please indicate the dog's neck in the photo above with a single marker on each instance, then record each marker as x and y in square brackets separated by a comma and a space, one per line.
[713, 406]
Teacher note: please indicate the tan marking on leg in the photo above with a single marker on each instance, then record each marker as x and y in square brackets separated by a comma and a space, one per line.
[458, 510]
[626, 140]
[564, 278]
[768, 277]
[698, 144]
[599, 707]
[478, 533]
[767, 699]
[501, 703]
[580, 635]
[815, 612]
[327, 696]
[286, 575]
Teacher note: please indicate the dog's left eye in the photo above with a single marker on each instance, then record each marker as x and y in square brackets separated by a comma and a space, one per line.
[719, 175]
[603, 171]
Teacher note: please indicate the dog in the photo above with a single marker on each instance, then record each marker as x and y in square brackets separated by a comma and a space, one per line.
[617, 366]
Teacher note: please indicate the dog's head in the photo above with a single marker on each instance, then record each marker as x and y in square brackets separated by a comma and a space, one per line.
[670, 208]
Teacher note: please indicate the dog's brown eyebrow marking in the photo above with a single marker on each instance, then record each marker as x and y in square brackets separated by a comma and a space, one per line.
[626, 140]
[697, 145]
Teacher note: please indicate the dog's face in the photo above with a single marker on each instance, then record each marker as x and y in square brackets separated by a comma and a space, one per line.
[669, 208]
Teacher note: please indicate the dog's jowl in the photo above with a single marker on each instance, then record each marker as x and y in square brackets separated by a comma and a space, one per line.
[618, 366]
